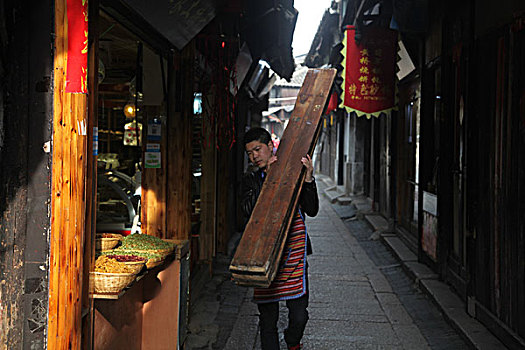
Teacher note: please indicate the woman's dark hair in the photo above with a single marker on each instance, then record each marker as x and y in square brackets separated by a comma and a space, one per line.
[257, 134]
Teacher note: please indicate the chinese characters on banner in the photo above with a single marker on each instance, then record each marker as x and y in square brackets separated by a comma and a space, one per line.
[369, 71]
[77, 46]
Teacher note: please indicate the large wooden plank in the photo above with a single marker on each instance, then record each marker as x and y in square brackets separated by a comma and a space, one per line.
[259, 251]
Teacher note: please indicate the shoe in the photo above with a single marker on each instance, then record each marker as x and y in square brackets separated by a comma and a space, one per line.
[295, 347]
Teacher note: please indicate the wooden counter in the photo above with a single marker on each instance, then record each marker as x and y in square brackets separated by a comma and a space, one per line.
[151, 313]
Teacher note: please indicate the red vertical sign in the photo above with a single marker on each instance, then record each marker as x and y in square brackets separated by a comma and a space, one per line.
[369, 71]
[77, 46]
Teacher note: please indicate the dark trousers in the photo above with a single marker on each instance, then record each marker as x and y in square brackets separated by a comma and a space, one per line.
[297, 318]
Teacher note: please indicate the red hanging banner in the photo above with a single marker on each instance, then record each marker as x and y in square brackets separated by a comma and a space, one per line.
[369, 71]
[332, 104]
[77, 46]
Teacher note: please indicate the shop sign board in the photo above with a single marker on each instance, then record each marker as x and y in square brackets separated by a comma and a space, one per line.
[429, 232]
[430, 203]
[95, 141]
[154, 129]
[77, 46]
[152, 156]
[178, 20]
[369, 71]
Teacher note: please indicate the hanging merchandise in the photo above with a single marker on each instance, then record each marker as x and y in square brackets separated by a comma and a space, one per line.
[133, 134]
[219, 115]
[77, 46]
[369, 71]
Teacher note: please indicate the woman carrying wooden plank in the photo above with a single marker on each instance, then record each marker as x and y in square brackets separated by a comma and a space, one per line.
[291, 282]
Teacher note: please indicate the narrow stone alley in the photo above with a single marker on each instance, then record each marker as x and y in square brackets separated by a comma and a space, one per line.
[360, 297]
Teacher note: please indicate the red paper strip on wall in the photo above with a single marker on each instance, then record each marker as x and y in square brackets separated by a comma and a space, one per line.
[369, 71]
[77, 48]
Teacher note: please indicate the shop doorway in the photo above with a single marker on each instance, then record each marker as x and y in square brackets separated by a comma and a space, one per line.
[457, 257]
[131, 112]
[408, 136]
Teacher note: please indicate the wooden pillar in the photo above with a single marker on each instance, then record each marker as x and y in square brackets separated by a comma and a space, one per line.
[180, 114]
[223, 183]
[208, 227]
[68, 200]
[153, 201]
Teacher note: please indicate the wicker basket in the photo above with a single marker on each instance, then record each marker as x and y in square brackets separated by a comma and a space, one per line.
[111, 282]
[106, 243]
[151, 263]
[137, 266]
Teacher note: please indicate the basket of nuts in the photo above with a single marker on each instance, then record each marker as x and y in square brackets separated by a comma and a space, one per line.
[152, 259]
[136, 263]
[111, 276]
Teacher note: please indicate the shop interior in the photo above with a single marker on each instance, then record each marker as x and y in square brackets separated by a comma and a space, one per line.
[131, 107]
[132, 100]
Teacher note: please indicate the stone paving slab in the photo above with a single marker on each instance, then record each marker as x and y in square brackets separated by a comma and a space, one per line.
[379, 283]
[411, 337]
[243, 334]
[329, 311]
[343, 293]
[344, 211]
[324, 246]
[332, 266]
[351, 331]
[347, 343]
[329, 277]
[397, 314]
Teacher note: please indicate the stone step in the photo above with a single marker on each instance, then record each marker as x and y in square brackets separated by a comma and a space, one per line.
[399, 249]
[333, 192]
[419, 272]
[326, 179]
[454, 310]
[378, 222]
[362, 206]
[344, 200]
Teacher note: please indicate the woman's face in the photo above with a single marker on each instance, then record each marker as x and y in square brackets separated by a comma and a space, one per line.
[259, 153]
